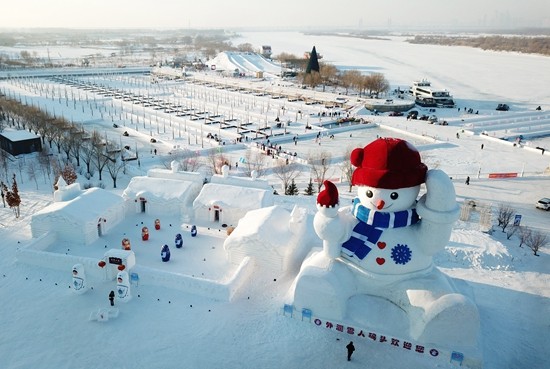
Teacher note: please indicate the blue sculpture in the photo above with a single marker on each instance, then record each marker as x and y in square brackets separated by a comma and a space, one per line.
[179, 241]
[165, 253]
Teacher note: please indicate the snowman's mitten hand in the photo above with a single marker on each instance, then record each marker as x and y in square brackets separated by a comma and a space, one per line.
[439, 203]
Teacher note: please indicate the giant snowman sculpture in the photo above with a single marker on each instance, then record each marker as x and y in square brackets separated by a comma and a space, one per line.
[381, 248]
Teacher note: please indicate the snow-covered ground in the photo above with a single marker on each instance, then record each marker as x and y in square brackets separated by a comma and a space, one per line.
[44, 324]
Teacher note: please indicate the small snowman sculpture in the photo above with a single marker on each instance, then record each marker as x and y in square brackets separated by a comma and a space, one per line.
[165, 253]
[179, 241]
[123, 290]
[79, 279]
[382, 246]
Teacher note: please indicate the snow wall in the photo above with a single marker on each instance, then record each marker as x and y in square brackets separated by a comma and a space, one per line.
[35, 254]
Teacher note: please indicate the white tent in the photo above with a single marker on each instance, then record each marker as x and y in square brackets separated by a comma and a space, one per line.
[104, 210]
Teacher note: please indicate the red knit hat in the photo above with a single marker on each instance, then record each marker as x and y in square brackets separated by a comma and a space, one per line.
[389, 163]
[329, 196]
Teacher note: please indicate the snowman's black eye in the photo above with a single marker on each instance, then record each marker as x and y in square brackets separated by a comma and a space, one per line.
[394, 195]
[369, 194]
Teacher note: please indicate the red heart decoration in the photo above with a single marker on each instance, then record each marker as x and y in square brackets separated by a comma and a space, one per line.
[380, 261]
[381, 245]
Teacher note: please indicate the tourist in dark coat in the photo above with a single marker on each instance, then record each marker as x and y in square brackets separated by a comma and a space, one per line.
[350, 349]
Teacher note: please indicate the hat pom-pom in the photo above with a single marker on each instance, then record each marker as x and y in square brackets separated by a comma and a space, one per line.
[356, 157]
[329, 196]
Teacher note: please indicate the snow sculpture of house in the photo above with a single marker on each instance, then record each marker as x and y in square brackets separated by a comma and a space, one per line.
[226, 199]
[164, 192]
[79, 216]
[274, 237]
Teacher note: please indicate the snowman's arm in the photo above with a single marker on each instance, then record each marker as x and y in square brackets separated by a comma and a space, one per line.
[348, 223]
[439, 210]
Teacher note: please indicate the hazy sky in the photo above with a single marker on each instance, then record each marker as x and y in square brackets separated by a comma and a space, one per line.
[395, 14]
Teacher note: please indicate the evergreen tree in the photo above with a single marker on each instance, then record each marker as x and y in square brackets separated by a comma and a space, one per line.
[309, 189]
[69, 175]
[313, 64]
[12, 197]
[291, 189]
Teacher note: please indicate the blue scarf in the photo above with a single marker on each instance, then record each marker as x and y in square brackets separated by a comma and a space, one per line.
[371, 225]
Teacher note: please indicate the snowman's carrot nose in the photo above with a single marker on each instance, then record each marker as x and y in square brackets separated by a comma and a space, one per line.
[380, 204]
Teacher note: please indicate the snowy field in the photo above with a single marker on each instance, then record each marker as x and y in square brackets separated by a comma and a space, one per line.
[44, 324]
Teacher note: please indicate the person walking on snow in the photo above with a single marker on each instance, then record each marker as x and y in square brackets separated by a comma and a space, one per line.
[112, 298]
[467, 181]
[350, 348]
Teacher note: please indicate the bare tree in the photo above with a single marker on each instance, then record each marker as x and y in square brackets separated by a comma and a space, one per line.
[114, 165]
[537, 240]
[505, 214]
[31, 172]
[4, 163]
[191, 162]
[87, 154]
[99, 155]
[286, 172]
[349, 79]
[378, 83]
[511, 231]
[313, 79]
[21, 164]
[44, 160]
[254, 161]
[328, 74]
[216, 160]
[524, 234]
[346, 167]
[319, 163]
[76, 140]
[188, 161]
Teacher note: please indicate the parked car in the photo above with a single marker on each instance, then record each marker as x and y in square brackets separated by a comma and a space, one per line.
[503, 107]
[413, 114]
[396, 114]
[424, 117]
[543, 204]
[433, 119]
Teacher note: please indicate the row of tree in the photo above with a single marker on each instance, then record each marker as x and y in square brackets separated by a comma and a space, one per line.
[533, 238]
[329, 75]
[72, 142]
[529, 45]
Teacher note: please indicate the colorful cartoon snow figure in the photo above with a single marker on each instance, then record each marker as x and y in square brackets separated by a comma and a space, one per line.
[193, 230]
[126, 244]
[144, 233]
[383, 244]
[179, 241]
[79, 279]
[123, 292]
[165, 253]
[157, 224]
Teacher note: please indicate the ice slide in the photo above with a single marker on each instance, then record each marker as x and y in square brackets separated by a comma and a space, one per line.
[252, 62]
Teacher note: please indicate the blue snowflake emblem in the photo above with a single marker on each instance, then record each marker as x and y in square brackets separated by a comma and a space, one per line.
[401, 254]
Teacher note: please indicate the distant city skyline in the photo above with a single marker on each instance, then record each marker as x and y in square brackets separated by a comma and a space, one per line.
[281, 14]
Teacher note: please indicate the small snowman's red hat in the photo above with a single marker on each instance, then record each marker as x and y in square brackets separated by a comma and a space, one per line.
[329, 196]
[389, 163]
